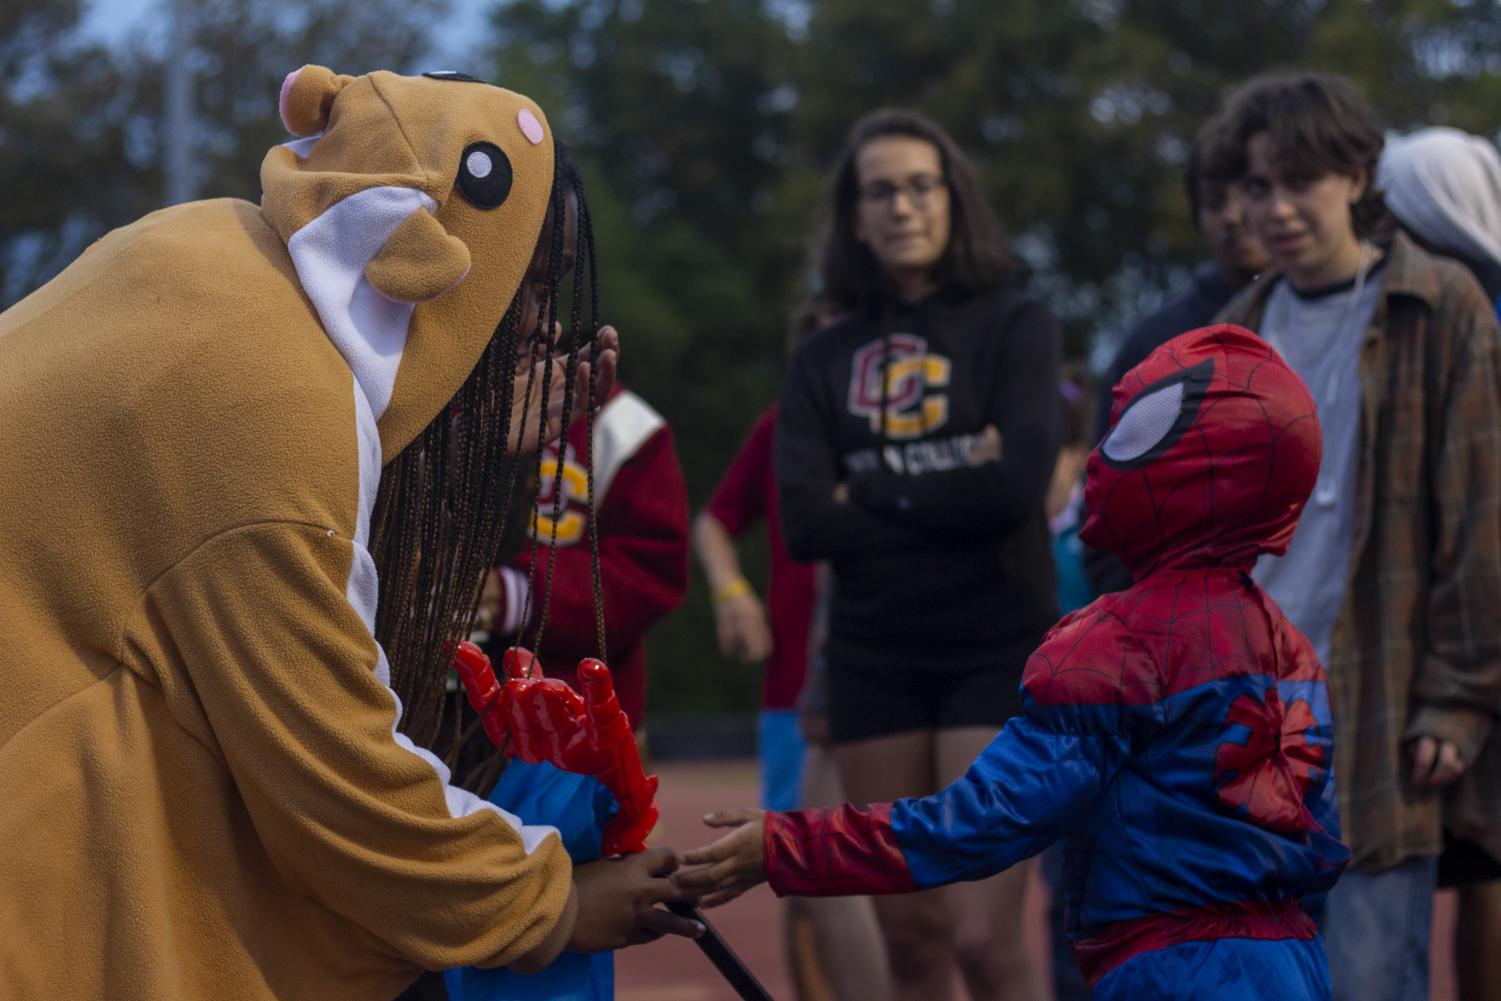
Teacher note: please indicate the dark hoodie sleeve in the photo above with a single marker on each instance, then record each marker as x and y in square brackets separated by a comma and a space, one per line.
[1024, 406]
[814, 525]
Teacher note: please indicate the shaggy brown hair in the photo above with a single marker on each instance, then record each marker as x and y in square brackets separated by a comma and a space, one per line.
[1318, 124]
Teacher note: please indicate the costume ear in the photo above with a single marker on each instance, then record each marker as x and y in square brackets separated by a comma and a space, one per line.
[420, 261]
[306, 97]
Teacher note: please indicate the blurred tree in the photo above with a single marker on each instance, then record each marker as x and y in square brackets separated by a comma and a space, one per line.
[81, 125]
[708, 126]
[705, 129]
[680, 110]
[242, 51]
[66, 169]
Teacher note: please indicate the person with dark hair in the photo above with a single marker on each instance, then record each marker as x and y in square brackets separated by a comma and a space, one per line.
[639, 530]
[1443, 186]
[1395, 571]
[1218, 210]
[249, 455]
[914, 447]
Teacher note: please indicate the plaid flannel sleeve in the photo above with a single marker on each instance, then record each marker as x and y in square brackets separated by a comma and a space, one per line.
[1457, 691]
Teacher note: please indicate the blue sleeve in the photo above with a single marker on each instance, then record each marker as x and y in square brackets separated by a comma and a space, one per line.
[579, 806]
[1036, 782]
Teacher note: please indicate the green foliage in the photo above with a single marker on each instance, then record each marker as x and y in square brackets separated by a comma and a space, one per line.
[705, 126]
[708, 126]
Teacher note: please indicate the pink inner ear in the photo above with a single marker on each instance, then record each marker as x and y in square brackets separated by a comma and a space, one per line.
[530, 127]
[281, 102]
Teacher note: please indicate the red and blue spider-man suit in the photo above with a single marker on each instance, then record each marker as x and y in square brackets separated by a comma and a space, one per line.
[1176, 734]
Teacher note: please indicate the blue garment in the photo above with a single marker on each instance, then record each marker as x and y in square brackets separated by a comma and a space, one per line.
[1068, 983]
[1226, 969]
[1376, 927]
[579, 806]
[780, 746]
[1075, 589]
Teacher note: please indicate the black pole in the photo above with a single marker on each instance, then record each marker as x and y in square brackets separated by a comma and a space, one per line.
[730, 966]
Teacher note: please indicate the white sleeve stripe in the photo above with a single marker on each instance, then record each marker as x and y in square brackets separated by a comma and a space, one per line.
[622, 427]
[363, 593]
[517, 591]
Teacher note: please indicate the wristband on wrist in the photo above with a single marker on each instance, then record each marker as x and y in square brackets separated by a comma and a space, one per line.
[734, 589]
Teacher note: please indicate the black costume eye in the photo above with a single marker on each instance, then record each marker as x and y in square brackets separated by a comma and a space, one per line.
[1157, 418]
[484, 174]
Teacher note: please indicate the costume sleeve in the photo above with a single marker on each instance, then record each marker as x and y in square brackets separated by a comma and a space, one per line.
[814, 526]
[1035, 783]
[1024, 406]
[259, 648]
[1457, 690]
[643, 559]
[739, 500]
[1312, 760]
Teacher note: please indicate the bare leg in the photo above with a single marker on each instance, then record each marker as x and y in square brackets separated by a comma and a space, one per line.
[988, 940]
[845, 934]
[809, 982]
[916, 927]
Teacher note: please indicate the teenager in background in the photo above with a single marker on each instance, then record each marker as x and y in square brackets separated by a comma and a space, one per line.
[914, 447]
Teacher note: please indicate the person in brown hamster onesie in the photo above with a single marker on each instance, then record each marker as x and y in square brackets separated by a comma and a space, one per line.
[247, 462]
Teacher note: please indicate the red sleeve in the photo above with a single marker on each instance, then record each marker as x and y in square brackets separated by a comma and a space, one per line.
[643, 559]
[835, 852]
[740, 499]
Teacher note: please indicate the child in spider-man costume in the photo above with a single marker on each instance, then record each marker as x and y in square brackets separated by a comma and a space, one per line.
[1176, 734]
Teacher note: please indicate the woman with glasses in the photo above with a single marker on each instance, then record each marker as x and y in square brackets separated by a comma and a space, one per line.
[914, 447]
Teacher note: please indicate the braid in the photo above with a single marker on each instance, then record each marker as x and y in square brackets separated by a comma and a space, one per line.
[558, 214]
[574, 339]
[586, 253]
[444, 501]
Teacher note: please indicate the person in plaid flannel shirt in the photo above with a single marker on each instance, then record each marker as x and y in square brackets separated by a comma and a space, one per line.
[1395, 573]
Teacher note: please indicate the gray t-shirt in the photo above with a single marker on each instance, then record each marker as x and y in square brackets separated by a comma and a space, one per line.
[1320, 337]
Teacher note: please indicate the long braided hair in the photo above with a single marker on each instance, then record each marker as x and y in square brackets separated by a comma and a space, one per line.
[444, 501]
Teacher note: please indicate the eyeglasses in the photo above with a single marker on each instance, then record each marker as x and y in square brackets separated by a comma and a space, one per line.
[920, 189]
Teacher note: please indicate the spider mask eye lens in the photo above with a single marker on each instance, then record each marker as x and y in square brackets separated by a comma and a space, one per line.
[1157, 418]
[1145, 423]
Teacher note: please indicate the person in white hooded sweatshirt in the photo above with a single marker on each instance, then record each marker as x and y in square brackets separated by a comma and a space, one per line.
[1444, 187]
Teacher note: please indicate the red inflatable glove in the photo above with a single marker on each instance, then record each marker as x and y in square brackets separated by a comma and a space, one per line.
[537, 719]
[613, 746]
[474, 670]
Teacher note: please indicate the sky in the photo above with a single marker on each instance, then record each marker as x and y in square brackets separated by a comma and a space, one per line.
[114, 20]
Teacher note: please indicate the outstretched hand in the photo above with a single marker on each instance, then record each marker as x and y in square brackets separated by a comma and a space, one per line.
[731, 865]
[608, 356]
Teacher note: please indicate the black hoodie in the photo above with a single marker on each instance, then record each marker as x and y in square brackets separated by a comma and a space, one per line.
[937, 563]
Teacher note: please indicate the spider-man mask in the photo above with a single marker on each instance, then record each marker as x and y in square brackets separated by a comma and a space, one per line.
[1212, 452]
